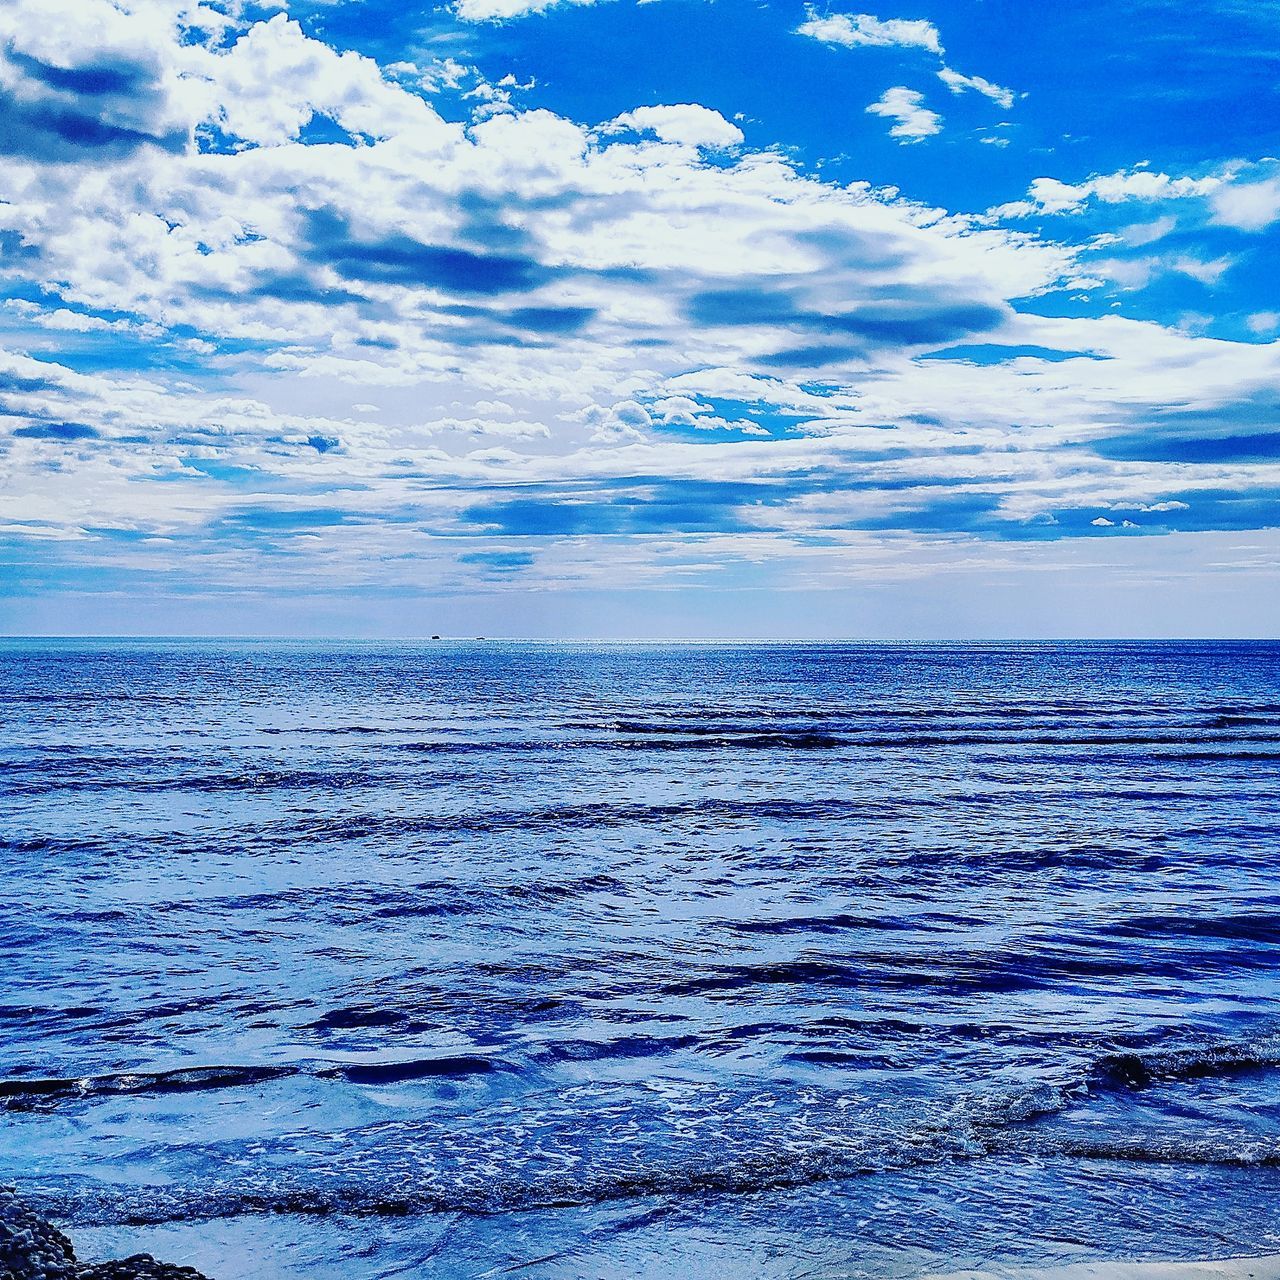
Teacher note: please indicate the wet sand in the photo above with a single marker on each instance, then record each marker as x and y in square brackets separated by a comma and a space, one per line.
[1265, 1268]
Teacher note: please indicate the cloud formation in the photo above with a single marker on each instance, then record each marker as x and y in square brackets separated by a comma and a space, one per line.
[905, 107]
[957, 83]
[505, 10]
[1049, 195]
[1250, 206]
[689, 123]
[854, 29]
[902, 104]
[275, 308]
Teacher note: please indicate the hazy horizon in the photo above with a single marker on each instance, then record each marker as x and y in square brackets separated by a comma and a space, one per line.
[708, 640]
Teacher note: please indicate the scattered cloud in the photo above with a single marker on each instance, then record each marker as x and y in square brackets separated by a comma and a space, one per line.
[901, 103]
[958, 83]
[1050, 195]
[505, 10]
[862, 29]
[1248, 206]
[913, 121]
[687, 123]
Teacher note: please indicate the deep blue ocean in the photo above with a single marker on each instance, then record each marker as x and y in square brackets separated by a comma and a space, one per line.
[445, 960]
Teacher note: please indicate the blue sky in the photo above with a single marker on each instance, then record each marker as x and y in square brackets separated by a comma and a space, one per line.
[673, 318]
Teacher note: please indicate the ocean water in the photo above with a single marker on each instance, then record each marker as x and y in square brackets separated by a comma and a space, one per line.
[445, 960]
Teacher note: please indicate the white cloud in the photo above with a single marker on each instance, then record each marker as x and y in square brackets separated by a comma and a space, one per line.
[958, 83]
[139, 92]
[854, 29]
[440, 75]
[1250, 206]
[61, 318]
[1050, 195]
[1206, 272]
[504, 10]
[1146, 233]
[687, 123]
[1138, 272]
[275, 79]
[912, 119]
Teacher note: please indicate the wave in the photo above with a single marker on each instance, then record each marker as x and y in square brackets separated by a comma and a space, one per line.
[1241, 1153]
[413, 1069]
[1254, 926]
[714, 717]
[966, 972]
[738, 1172]
[708, 1140]
[1244, 743]
[25, 1093]
[745, 1173]
[595, 815]
[1140, 1069]
[720, 810]
[841, 922]
[167, 775]
[616, 1048]
[330, 730]
[34, 1093]
[706, 738]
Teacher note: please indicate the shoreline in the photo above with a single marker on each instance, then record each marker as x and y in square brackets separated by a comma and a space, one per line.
[32, 1248]
[1262, 1267]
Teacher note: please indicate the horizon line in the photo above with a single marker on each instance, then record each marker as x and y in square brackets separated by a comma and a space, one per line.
[432, 638]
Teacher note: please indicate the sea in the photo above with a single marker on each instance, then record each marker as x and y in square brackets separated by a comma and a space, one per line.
[453, 959]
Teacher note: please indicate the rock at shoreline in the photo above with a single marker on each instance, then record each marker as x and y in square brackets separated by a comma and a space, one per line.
[142, 1266]
[32, 1249]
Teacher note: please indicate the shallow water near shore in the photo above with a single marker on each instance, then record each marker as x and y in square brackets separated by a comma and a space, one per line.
[342, 960]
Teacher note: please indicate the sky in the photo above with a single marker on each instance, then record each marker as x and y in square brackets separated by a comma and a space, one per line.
[679, 318]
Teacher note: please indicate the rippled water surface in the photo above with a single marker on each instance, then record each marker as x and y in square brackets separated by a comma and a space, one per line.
[457, 959]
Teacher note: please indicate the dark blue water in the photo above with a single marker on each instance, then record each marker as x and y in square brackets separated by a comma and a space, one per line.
[447, 959]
